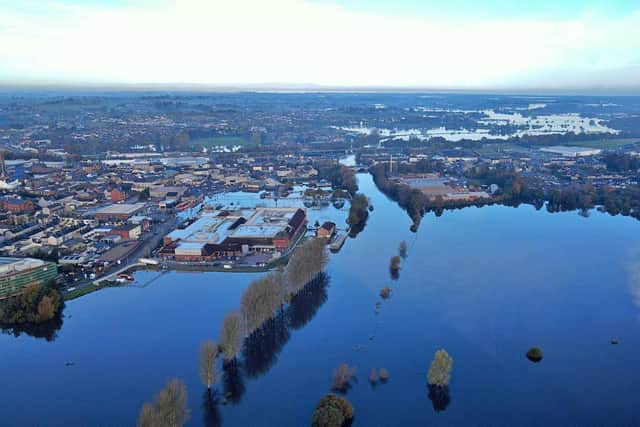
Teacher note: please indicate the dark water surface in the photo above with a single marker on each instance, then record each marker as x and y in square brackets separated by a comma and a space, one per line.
[486, 284]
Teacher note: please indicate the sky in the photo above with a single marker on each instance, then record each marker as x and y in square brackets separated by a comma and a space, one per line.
[453, 44]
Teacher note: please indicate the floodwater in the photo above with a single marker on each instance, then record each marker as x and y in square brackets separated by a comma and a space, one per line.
[486, 284]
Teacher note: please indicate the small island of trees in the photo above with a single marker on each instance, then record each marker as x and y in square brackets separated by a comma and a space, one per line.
[358, 214]
[332, 411]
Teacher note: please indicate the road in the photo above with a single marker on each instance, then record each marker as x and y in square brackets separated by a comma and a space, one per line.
[150, 242]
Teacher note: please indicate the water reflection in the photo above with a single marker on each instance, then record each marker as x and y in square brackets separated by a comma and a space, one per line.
[306, 303]
[232, 382]
[633, 270]
[439, 397]
[261, 349]
[47, 330]
[210, 413]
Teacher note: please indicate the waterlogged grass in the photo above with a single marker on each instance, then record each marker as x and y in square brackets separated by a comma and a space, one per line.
[85, 290]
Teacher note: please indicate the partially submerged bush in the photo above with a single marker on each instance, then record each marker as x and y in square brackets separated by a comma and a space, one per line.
[385, 293]
[394, 263]
[373, 376]
[440, 370]
[169, 409]
[402, 250]
[342, 377]
[535, 354]
[332, 411]
[384, 375]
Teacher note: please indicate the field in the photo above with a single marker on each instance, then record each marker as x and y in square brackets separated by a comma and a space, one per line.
[220, 141]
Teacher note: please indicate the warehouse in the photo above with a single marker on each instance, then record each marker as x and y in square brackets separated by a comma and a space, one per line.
[118, 212]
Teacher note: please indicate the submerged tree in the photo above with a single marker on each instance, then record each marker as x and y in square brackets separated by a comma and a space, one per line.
[342, 377]
[230, 336]
[402, 250]
[208, 355]
[169, 409]
[394, 267]
[261, 300]
[305, 264]
[440, 370]
[332, 411]
[373, 376]
[384, 375]
[394, 263]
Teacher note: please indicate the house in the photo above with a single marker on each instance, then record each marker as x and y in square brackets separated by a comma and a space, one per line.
[127, 231]
[326, 230]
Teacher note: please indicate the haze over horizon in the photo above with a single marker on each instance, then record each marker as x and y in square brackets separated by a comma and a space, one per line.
[323, 44]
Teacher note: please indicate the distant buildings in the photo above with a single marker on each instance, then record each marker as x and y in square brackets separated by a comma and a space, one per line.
[568, 151]
[18, 273]
[118, 212]
[17, 205]
[230, 234]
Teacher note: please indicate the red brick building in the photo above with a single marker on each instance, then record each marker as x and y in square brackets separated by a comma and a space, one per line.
[15, 205]
[118, 195]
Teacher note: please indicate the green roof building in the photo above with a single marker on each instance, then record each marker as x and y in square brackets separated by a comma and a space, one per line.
[18, 273]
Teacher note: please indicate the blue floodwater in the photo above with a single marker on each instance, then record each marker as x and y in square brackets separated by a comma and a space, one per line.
[485, 284]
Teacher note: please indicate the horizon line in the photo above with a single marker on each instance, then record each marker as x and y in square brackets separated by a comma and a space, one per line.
[604, 90]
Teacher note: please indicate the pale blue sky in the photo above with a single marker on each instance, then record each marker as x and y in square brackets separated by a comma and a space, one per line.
[449, 44]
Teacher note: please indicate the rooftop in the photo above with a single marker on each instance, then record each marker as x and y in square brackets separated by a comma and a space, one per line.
[120, 208]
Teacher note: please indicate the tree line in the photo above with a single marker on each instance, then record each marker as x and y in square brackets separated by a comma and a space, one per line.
[411, 200]
[358, 214]
[340, 177]
[258, 331]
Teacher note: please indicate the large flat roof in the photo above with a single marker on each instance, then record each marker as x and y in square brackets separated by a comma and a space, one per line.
[12, 265]
[120, 209]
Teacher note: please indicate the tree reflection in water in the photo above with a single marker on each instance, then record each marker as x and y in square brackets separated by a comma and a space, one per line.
[47, 330]
[260, 350]
[440, 397]
[232, 382]
[210, 414]
[633, 269]
[307, 302]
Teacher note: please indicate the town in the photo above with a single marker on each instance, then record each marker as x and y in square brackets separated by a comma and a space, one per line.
[93, 194]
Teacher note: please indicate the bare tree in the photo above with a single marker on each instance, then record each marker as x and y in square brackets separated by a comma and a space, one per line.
[170, 408]
[148, 416]
[440, 370]
[261, 300]
[342, 377]
[208, 355]
[307, 261]
[230, 336]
